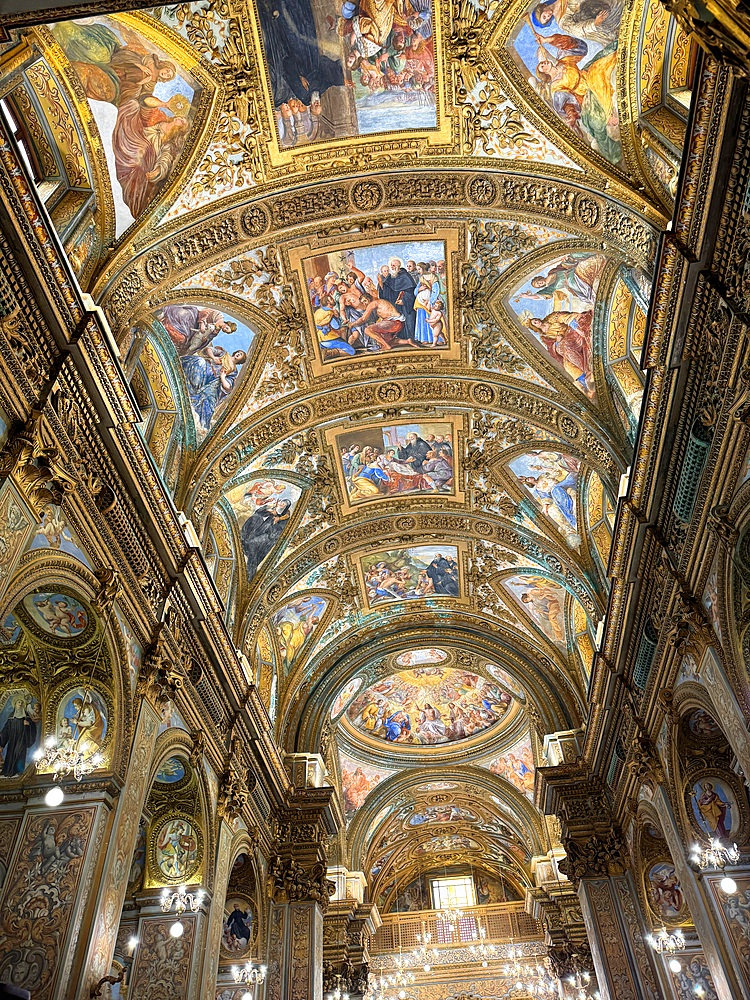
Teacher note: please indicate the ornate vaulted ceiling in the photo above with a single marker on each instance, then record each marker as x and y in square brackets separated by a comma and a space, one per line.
[379, 275]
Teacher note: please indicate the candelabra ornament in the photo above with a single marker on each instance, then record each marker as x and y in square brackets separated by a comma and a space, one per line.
[252, 976]
[666, 943]
[482, 949]
[425, 955]
[716, 855]
[182, 900]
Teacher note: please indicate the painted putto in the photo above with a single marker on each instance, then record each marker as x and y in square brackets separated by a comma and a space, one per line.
[427, 706]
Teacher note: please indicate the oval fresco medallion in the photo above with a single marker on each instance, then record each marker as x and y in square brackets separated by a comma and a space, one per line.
[427, 706]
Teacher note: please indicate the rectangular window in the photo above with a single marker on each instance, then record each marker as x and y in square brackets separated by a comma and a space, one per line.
[453, 892]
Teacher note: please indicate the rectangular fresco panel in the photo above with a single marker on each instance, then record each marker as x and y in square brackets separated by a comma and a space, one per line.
[733, 912]
[380, 461]
[411, 574]
[379, 298]
[339, 70]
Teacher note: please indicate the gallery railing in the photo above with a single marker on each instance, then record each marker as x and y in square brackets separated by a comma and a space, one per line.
[502, 923]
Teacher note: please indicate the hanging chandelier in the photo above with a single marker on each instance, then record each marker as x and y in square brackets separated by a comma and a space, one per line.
[666, 943]
[251, 976]
[451, 912]
[337, 994]
[425, 955]
[482, 949]
[580, 983]
[716, 855]
[65, 759]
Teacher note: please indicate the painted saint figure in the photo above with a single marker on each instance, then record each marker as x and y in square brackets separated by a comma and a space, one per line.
[18, 734]
[714, 810]
[261, 531]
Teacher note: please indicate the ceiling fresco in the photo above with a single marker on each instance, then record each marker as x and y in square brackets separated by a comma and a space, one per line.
[428, 705]
[378, 274]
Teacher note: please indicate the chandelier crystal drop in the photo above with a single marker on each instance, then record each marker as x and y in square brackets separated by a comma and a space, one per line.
[482, 950]
[425, 955]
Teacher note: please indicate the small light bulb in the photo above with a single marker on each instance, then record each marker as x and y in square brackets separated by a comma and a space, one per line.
[674, 965]
[54, 796]
[402, 994]
[50, 741]
[177, 929]
[484, 964]
[132, 942]
[246, 996]
[426, 968]
[728, 885]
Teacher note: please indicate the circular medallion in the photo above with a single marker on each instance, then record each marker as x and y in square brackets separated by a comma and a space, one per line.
[390, 392]
[177, 849]
[481, 190]
[299, 414]
[569, 427]
[367, 196]
[157, 268]
[405, 523]
[273, 593]
[229, 464]
[255, 220]
[484, 528]
[482, 393]
[331, 545]
[586, 211]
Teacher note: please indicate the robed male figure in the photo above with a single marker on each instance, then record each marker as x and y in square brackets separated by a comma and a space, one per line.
[398, 287]
[261, 531]
[18, 734]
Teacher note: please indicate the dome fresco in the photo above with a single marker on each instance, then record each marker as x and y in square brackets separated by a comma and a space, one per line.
[428, 705]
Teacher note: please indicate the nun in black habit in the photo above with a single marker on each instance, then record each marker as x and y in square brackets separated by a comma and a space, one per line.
[261, 531]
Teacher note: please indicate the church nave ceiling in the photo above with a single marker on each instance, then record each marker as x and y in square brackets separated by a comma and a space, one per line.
[379, 275]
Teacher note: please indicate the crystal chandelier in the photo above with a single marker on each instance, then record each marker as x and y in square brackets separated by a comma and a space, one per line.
[182, 900]
[451, 912]
[483, 950]
[716, 855]
[65, 758]
[424, 954]
[664, 942]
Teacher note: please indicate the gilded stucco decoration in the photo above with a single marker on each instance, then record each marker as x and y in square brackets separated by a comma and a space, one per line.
[380, 305]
